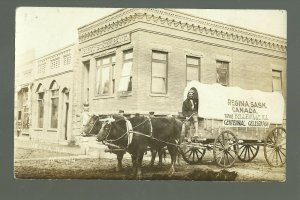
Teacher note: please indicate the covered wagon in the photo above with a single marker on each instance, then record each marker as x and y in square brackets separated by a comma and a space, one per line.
[235, 123]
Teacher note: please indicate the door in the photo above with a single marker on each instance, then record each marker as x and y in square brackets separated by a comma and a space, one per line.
[66, 120]
[65, 113]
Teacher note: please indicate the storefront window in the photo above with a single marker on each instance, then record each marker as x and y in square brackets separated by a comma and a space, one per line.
[223, 72]
[125, 84]
[159, 72]
[104, 75]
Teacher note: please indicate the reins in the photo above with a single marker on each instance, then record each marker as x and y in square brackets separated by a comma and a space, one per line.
[138, 133]
[113, 140]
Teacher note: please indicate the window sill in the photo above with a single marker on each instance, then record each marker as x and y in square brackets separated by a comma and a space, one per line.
[52, 130]
[38, 129]
[103, 97]
[158, 95]
[124, 94]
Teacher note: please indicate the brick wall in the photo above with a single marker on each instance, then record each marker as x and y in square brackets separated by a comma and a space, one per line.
[250, 68]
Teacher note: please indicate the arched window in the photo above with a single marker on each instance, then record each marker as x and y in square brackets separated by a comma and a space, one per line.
[54, 104]
[40, 105]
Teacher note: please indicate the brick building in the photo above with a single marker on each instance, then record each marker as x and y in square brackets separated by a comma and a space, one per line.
[140, 60]
[53, 95]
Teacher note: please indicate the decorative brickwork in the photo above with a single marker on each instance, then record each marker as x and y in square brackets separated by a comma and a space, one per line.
[180, 21]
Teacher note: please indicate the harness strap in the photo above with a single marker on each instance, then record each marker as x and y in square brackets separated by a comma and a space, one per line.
[151, 128]
[129, 131]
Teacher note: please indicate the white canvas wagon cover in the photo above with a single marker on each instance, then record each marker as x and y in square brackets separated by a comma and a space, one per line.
[238, 107]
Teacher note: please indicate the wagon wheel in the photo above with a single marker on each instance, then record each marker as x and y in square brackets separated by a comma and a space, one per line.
[247, 152]
[192, 155]
[226, 149]
[275, 147]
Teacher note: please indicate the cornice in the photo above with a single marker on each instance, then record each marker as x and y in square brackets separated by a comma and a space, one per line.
[55, 54]
[183, 22]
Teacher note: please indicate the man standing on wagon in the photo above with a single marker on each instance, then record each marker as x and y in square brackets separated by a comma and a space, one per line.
[190, 112]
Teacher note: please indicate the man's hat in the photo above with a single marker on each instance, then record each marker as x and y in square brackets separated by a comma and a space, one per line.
[121, 111]
[151, 113]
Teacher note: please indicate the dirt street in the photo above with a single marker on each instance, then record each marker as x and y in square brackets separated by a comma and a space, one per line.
[43, 164]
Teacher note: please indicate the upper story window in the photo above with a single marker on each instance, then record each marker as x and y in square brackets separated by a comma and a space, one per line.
[159, 72]
[67, 59]
[41, 68]
[105, 78]
[55, 63]
[223, 72]
[125, 84]
[54, 104]
[192, 69]
[277, 81]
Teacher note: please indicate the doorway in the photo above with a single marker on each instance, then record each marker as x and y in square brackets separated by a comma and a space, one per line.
[66, 120]
[65, 114]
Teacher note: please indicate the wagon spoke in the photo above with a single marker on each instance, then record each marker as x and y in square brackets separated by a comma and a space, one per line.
[270, 138]
[251, 150]
[227, 158]
[233, 144]
[270, 149]
[231, 155]
[280, 156]
[282, 152]
[276, 156]
[197, 155]
[223, 139]
[187, 151]
[190, 154]
[221, 142]
[244, 148]
[224, 159]
[271, 145]
[245, 153]
[282, 144]
[255, 148]
[193, 155]
[220, 158]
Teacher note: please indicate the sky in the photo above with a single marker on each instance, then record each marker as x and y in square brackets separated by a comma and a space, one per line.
[49, 29]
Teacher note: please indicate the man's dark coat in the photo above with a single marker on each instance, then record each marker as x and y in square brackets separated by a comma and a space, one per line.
[187, 110]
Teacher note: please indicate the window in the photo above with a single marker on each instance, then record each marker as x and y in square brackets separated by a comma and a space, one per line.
[54, 105]
[67, 59]
[159, 72]
[223, 73]
[125, 84]
[192, 69]
[42, 68]
[277, 81]
[105, 79]
[40, 111]
[55, 63]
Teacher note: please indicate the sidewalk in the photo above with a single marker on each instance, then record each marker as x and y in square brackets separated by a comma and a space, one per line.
[88, 149]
